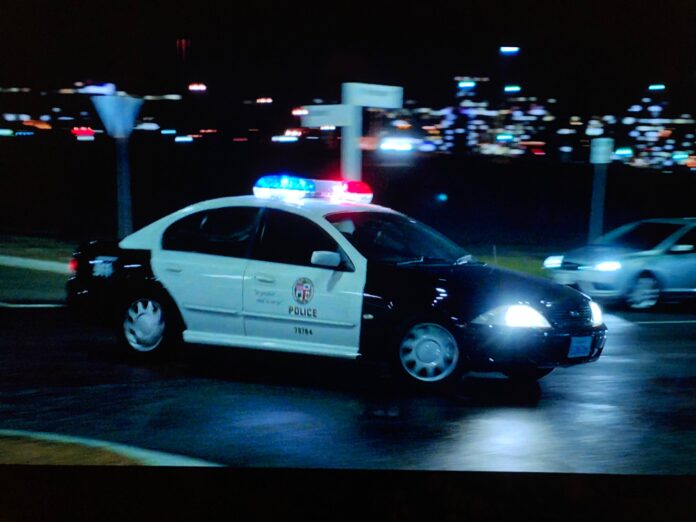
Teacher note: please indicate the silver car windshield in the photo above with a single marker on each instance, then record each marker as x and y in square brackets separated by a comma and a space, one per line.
[640, 236]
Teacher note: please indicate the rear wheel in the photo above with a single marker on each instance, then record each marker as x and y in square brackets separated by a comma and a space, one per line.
[429, 356]
[148, 327]
[644, 294]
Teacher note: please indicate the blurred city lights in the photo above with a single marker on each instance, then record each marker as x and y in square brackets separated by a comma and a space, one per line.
[6, 132]
[624, 152]
[85, 138]
[657, 87]
[467, 84]
[147, 126]
[107, 89]
[284, 139]
[168, 131]
[197, 87]
[396, 144]
[264, 100]
[82, 131]
[24, 133]
[441, 197]
[509, 50]
[300, 112]
[512, 88]
[183, 139]
[327, 127]
[504, 137]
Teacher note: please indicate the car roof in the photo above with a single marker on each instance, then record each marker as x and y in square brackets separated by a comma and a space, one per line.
[673, 221]
[310, 207]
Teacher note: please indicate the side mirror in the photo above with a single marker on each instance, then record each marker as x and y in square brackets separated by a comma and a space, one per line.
[326, 259]
[681, 249]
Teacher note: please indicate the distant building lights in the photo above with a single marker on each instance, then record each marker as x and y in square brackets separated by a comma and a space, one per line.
[300, 111]
[680, 156]
[396, 144]
[624, 152]
[512, 88]
[197, 87]
[657, 87]
[467, 84]
[240, 140]
[82, 131]
[504, 137]
[147, 126]
[24, 133]
[183, 139]
[85, 138]
[293, 132]
[284, 139]
[508, 50]
[168, 131]
[327, 128]
[565, 148]
[208, 131]
[264, 100]
[6, 132]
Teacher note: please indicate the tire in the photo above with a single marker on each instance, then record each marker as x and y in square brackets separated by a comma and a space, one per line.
[528, 375]
[644, 293]
[428, 356]
[148, 327]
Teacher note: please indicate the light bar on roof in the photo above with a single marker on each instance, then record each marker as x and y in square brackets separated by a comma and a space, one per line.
[293, 188]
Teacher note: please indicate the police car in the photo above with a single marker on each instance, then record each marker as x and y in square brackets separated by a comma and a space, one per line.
[312, 267]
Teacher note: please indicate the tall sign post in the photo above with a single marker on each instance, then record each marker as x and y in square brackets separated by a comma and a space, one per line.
[118, 115]
[601, 150]
[348, 116]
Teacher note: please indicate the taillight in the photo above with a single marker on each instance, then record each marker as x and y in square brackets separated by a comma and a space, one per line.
[72, 266]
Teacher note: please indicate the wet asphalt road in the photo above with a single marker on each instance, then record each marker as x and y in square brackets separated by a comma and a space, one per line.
[633, 411]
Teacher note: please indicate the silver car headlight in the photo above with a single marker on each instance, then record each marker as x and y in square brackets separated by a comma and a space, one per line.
[608, 266]
[597, 319]
[516, 316]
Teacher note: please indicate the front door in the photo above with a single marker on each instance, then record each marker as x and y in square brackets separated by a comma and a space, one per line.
[292, 305]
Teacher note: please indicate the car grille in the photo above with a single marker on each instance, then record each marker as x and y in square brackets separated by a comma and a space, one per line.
[573, 316]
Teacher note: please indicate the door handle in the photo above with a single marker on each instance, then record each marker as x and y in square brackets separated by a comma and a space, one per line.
[264, 278]
[173, 268]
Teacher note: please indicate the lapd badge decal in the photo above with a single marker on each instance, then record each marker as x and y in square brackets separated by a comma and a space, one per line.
[303, 290]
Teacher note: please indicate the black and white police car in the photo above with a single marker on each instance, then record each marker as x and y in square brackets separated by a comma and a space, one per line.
[311, 267]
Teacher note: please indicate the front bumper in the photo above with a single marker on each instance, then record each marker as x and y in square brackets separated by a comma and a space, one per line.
[596, 284]
[500, 348]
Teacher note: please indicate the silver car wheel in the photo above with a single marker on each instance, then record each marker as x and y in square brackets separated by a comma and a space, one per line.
[429, 353]
[644, 294]
[143, 325]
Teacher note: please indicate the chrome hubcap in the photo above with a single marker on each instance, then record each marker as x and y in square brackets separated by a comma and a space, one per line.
[428, 352]
[645, 293]
[144, 325]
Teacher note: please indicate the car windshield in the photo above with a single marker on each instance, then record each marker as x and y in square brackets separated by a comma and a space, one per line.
[641, 236]
[394, 238]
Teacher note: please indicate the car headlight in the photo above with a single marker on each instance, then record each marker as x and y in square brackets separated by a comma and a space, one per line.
[516, 316]
[597, 319]
[608, 266]
[553, 262]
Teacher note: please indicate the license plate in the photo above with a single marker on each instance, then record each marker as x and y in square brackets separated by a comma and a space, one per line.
[580, 346]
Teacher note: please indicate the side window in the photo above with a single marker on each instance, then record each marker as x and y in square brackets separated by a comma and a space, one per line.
[184, 235]
[289, 238]
[687, 239]
[220, 232]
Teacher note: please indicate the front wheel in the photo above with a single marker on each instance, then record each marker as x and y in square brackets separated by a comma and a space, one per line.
[148, 328]
[429, 356]
[644, 294]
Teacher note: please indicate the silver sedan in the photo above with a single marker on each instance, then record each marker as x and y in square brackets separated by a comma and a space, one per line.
[641, 263]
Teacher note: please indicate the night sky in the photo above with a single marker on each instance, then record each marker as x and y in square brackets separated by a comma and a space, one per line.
[590, 54]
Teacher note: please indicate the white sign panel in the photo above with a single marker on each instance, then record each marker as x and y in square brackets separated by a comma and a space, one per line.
[319, 115]
[373, 95]
[601, 150]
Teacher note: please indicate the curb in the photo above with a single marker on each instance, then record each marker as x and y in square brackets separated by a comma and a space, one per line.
[35, 264]
[146, 457]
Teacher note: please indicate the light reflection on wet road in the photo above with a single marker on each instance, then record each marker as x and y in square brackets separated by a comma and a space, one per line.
[634, 411]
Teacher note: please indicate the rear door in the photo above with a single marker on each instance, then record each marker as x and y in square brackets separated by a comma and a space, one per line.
[201, 262]
[292, 305]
